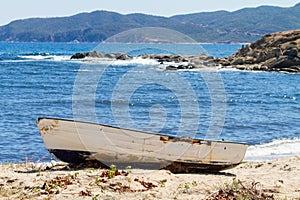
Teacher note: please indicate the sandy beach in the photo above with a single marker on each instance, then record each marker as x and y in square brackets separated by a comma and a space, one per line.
[276, 179]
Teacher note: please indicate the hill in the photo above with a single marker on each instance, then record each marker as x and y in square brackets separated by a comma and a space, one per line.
[245, 25]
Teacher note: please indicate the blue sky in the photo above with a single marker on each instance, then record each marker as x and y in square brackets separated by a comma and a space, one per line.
[15, 9]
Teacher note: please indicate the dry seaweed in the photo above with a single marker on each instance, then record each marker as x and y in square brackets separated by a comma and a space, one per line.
[237, 190]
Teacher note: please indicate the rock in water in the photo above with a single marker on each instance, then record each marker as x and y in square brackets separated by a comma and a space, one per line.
[78, 56]
[273, 52]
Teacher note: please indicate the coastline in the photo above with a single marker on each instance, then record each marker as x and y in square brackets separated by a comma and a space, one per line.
[277, 178]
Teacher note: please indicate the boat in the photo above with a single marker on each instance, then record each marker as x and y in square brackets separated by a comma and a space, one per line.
[78, 142]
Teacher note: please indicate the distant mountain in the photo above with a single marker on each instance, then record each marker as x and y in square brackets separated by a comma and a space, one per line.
[245, 25]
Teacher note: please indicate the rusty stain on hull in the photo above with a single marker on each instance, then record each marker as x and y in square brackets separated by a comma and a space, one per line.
[48, 127]
[182, 139]
[195, 141]
[164, 138]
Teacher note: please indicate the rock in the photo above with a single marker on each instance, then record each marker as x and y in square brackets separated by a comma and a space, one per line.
[181, 67]
[238, 61]
[78, 56]
[191, 66]
[171, 67]
[123, 57]
[293, 52]
[161, 61]
[241, 67]
[184, 62]
[273, 52]
[110, 55]
[262, 56]
[250, 60]
[269, 62]
[222, 61]
[285, 62]
[244, 50]
[95, 54]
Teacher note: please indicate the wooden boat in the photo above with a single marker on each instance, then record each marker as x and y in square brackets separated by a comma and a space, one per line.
[81, 142]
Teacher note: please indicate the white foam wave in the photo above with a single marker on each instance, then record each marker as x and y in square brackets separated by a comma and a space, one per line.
[275, 149]
[136, 61]
[46, 57]
[114, 62]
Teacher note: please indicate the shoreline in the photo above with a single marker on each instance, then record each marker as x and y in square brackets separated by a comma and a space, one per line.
[278, 178]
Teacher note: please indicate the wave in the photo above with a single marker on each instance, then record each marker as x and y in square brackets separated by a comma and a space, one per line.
[8, 57]
[45, 56]
[275, 149]
[106, 61]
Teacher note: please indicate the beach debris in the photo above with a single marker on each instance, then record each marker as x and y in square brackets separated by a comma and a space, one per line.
[85, 193]
[147, 185]
[113, 172]
[54, 186]
[105, 181]
[237, 190]
[87, 183]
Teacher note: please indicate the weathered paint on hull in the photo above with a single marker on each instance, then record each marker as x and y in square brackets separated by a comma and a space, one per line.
[78, 142]
[80, 157]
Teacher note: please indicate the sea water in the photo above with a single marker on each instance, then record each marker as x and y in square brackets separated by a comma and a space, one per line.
[39, 80]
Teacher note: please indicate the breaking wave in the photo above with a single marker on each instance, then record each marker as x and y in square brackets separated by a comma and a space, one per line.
[275, 149]
[45, 56]
[106, 61]
[7, 57]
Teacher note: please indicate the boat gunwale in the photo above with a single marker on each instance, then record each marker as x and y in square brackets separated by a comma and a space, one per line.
[126, 129]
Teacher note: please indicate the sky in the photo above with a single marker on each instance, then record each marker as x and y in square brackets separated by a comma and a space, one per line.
[15, 9]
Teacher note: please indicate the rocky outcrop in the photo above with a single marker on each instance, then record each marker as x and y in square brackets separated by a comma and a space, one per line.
[93, 54]
[171, 62]
[183, 62]
[273, 52]
[96, 54]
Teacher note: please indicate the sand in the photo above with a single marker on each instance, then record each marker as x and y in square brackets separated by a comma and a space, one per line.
[279, 179]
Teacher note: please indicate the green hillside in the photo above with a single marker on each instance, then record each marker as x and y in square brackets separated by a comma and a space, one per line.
[245, 25]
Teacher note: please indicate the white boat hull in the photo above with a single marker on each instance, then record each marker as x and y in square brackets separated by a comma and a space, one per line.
[79, 142]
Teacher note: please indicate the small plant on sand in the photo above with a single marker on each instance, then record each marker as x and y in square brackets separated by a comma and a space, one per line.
[55, 185]
[187, 185]
[99, 180]
[195, 183]
[90, 170]
[128, 168]
[96, 197]
[163, 183]
[112, 171]
[237, 190]
[184, 188]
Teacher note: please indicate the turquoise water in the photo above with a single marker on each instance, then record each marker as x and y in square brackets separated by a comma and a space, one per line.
[40, 80]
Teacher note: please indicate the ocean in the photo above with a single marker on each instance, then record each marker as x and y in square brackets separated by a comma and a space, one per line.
[261, 109]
